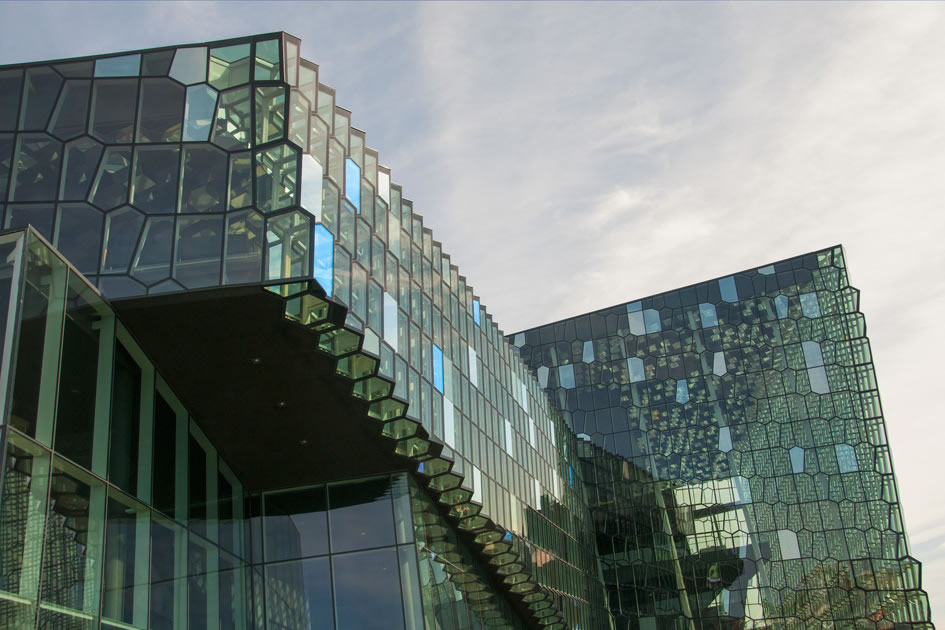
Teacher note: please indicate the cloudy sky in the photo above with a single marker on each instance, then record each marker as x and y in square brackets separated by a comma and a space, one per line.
[575, 156]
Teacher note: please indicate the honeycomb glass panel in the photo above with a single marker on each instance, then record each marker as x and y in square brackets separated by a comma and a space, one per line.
[152, 260]
[11, 84]
[198, 250]
[114, 104]
[233, 123]
[38, 215]
[229, 66]
[199, 111]
[240, 189]
[276, 178]
[39, 96]
[161, 111]
[270, 106]
[79, 165]
[122, 227]
[267, 67]
[244, 247]
[203, 185]
[79, 235]
[36, 168]
[154, 188]
[189, 66]
[288, 239]
[110, 187]
[69, 118]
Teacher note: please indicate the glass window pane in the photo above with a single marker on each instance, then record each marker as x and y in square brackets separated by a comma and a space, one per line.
[190, 65]
[125, 421]
[79, 165]
[203, 184]
[298, 595]
[124, 66]
[240, 194]
[229, 66]
[267, 61]
[295, 524]
[367, 590]
[41, 311]
[168, 600]
[35, 174]
[361, 514]
[244, 247]
[152, 261]
[287, 245]
[39, 215]
[11, 82]
[276, 177]
[197, 486]
[110, 188]
[199, 250]
[270, 114]
[23, 514]
[122, 227]
[162, 109]
[78, 373]
[39, 96]
[125, 580]
[68, 121]
[73, 539]
[155, 179]
[114, 102]
[233, 124]
[79, 235]
[164, 477]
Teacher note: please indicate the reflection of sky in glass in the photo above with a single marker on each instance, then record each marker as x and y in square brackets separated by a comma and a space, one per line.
[682, 391]
[437, 368]
[635, 368]
[651, 318]
[813, 356]
[390, 320]
[846, 458]
[809, 305]
[198, 113]
[725, 439]
[353, 183]
[707, 313]
[781, 304]
[476, 311]
[323, 258]
[125, 66]
[797, 459]
[727, 288]
[566, 376]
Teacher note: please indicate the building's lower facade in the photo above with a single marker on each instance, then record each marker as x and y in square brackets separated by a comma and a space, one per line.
[242, 387]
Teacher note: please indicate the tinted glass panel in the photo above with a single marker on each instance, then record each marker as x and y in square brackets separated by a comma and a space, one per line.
[114, 102]
[367, 590]
[298, 595]
[125, 419]
[296, 524]
[361, 515]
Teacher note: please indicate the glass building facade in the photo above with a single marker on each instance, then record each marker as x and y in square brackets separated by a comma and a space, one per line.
[243, 387]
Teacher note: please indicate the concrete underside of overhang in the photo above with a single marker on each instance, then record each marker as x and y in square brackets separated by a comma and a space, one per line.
[256, 384]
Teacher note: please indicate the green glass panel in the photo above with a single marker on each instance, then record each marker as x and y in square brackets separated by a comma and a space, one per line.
[267, 66]
[160, 116]
[244, 247]
[270, 104]
[229, 66]
[276, 178]
[232, 126]
[288, 239]
[203, 186]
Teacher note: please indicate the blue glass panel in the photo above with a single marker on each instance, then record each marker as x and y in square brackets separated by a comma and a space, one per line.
[353, 183]
[323, 257]
[818, 380]
[571, 476]
[727, 287]
[708, 316]
[635, 367]
[588, 355]
[566, 376]
[390, 320]
[198, 113]
[476, 311]
[725, 439]
[126, 66]
[437, 368]
[682, 391]
[637, 323]
[797, 459]
[781, 304]
[809, 305]
[846, 458]
[632, 307]
[741, 489]
[651, 318]
[813, 356]
[767, 271]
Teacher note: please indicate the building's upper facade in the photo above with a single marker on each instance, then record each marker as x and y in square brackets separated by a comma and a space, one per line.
[230, 215]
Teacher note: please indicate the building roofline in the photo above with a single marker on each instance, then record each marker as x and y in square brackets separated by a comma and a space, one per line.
[688, 286]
